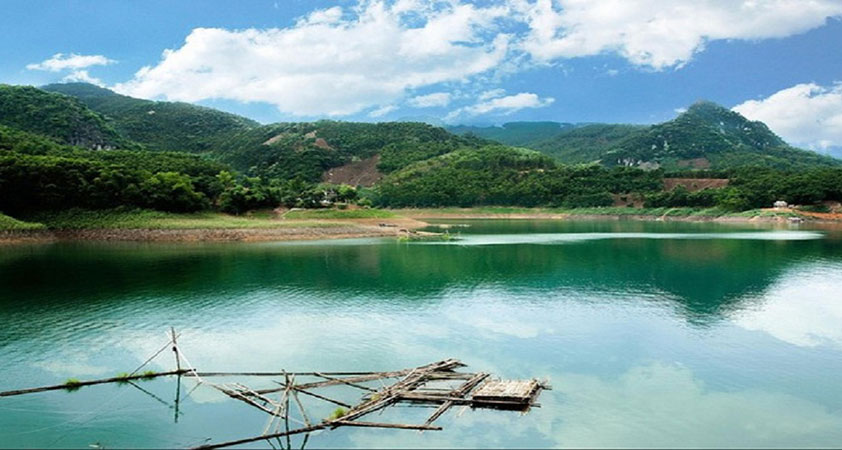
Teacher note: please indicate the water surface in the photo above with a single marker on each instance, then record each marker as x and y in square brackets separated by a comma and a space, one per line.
[651, 334]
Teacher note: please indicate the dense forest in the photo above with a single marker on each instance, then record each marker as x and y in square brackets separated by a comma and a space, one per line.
[706, 136]
[81, 146]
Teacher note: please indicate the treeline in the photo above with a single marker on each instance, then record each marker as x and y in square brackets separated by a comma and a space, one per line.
[307, 150]
[505, 176]
[757, 187]
[37, 173]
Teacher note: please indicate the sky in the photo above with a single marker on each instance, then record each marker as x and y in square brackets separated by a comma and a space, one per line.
[455, 61]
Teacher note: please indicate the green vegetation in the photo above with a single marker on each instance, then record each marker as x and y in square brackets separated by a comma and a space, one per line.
[337, 413]
[585, 144]
[79, 219]
[60, 118]
[11, 224]
[158, 126]
[517, 134]
[339, 214]
[306, 150]
[705, 136]
[72, 384]
[79, 156]
[503, 176]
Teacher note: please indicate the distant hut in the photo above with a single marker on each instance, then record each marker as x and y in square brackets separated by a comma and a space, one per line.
[780, 204]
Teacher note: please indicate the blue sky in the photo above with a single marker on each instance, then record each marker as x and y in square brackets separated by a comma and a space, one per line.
[634, 61]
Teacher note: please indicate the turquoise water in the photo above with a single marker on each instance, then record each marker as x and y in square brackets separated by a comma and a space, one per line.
[651, 334]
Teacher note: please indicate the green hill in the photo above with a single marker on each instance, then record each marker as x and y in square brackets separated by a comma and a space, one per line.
[62, 119]
[500, 175]
[706, 136]
[159, 126]
[518, 134]
[585, 144]
[307, 150]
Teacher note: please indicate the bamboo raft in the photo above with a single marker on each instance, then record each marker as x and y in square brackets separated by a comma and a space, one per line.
[418, 386]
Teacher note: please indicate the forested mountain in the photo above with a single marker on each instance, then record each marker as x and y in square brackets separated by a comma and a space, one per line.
[499, 175]
[159, 126]
[97, 149]
[307, 150]
[585, 144]
[63, 119]
[518, 134]
[706, 136]
[709, 136]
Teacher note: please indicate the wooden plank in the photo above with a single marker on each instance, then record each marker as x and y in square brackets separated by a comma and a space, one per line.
[459, 392]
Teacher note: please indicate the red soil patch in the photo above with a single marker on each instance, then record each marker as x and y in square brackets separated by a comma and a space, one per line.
[694, 184]
[359, 173]
[695, 163]
[321, 143]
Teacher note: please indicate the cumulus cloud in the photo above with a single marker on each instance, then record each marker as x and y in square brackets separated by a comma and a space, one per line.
[502, 105]
[382, 111]
[806, 114]
[82, 76]
[332, 62]
[430, 100]
[659, 33]
[800, 309]
[344, 60]
[60, 62]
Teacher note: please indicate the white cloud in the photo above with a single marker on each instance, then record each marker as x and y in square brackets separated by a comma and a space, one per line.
[60, 62]
[382, 111]
[493, 93]
[430, 100]
[659, 33]
[806, 114]
[332, 62]
[502, 105]
[801, 309]
[345, 60]
[84, 77]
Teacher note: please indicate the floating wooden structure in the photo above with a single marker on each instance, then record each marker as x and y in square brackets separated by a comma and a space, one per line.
[439, 385]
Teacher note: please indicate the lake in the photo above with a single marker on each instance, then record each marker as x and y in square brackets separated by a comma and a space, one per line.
[651, 334]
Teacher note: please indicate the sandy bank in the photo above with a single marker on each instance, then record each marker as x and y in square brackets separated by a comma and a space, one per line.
[335, 229]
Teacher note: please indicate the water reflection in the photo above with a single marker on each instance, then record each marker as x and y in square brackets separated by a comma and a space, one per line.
[803, 307]
[648, 342]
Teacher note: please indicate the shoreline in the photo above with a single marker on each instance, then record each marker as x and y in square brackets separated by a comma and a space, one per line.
[405, 219]
[328, 229]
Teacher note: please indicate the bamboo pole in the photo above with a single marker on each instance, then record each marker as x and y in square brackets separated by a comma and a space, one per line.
[401, 426]
[175, 349]
[89, 383]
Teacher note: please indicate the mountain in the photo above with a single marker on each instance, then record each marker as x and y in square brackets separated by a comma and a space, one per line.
[706, 136]
[709, 136]
[59, 151]
[585, 144]
[518, 134]
[159, 126]
[311, 150]
[63, 119]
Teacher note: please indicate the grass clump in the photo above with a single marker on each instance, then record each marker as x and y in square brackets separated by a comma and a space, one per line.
[339, 214]
[11, 224]
[123, 377]
[337, 413]
[72, 384]
[123, 218]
